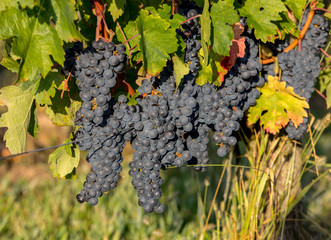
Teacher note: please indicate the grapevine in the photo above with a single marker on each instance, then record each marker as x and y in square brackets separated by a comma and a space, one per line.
[170, 78]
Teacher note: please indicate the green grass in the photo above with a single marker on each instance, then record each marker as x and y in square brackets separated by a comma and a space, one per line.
[45, 208]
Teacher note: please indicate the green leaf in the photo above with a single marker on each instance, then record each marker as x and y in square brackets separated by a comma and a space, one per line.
[17, 119]
[199, 3]
[17, 4]
[277, 105]
[87, 22]
[130, 31]
[116, 8]
[165, 11]
[132, 100]
[296, 6]
[205, 31]
[223, 16]
[46, 88]
[177, 20]
[181, 48]
[10, 64]
[180, 69]
[62, 162]
[157, 41]
[209, 73]
[34, 42]
[260, 16]
[62, 111]
[64, 18]
[287, 26]
[33, 128]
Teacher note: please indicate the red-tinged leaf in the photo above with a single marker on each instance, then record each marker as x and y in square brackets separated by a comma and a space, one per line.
[213, 72]
[261, 15]
[221, 73]
[223, 15]
[277, 105]
[237, 49]
[238, 43]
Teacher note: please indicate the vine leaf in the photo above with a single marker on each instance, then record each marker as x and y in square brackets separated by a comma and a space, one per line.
[277, 105]
[17, 118]
[130, 31]
[223, 16]
[34, 42]
[237, 49]
[33, 127]
[16, 4]
[180, 69]
[260, 16]
[64, 160]
[116, 8]
[286, 26]
[132, 100]
[157, 41]
[205, 31]
[296, 6]
[10, 64]
[64, 20]
[211, 72]
[62, 111]
[46, 88]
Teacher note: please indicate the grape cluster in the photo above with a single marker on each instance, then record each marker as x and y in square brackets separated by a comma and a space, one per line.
[300, 68]
[192, 31]
[72, 53]
[168, 126]
[101, 134]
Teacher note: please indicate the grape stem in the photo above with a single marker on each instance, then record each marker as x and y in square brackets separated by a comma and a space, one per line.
[321, 94]
[100, 10]
[131, 38]
[126, 41]
[65, 84]
[301, 36]
[322, 9]
[120, 82]
[325, 53]
[199, 15]
[55, 65]
[175, 4]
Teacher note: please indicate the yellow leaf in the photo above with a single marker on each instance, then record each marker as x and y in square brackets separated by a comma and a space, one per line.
[277, 105]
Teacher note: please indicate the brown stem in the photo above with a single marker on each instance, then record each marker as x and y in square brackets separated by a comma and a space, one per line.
[175, 4]
[128, 87]
[131, 50]
[131, 38]
[199, 15]
[65, 83]
[292, 45]
[322, 9]
[325, 53]
[120, 82]
[267, 61]
[100, 11]
[126, 41]
[55, 65]
[321, 94]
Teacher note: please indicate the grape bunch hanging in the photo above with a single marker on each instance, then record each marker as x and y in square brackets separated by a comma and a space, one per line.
[170, 125]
